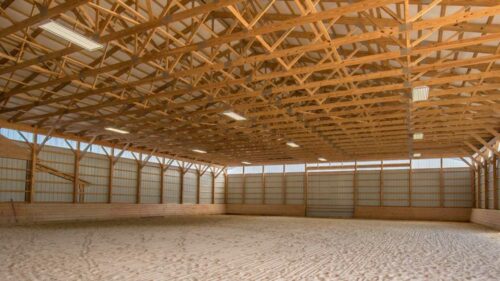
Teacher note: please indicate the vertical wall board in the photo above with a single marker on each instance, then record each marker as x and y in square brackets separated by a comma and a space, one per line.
[253, 189]
[51, 188]
[13, 174]
[189, 196]
[498, 183]
[368, 184]
[273, 190]
[206, 188]
[172, 181]
[425, 188]
[330, 194]
[457, 187]
[294, 188]
[125, 181]
[396, 187]
[150, 184]
[94, 168]
[235, 189]
[219, 189]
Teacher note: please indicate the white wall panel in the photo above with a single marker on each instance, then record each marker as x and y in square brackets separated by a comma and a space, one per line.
[150, 184]
[235, 189]
[253, 189]
[190, 189]
[124, 181]
[330, 194]
[51, 188]
[368, 188]
[172, 180]
[274, 188]
[12, 179]
[94, 168]
[395, 187]
[294, 188]
[206, 188]
[219, 189]
[425, 188]
[457, 188]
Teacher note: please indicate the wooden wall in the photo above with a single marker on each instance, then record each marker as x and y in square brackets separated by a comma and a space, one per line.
[49, 212]
[413, 213]
[270, 210]
[489, 218]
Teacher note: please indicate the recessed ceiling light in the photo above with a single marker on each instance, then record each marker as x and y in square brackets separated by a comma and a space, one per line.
[420, 93]
[245, 163]
[292, 144]
[116, 130]
[234, 115]
[68, 34]
[199, 151]
[322, 159]
[418, 136]
[416, 155]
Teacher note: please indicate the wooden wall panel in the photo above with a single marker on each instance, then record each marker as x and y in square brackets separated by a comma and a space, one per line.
[28, 213]
[270, 210]
[489, 218]
[413, 213]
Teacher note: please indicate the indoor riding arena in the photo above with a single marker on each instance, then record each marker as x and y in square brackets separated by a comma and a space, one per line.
[249, 140]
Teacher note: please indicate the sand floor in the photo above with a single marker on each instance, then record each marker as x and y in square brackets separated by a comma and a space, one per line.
[249, 248]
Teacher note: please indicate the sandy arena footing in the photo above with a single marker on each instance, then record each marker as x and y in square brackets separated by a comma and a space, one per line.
[249, 248]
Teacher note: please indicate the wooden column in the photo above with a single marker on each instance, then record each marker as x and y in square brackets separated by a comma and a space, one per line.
[355, 185]
[162, 182]
[76, 172]
[410, 185]
[479, 186]
[306, 190]
[473, 187]
[486, 184]
[110, 175]
[441, 184]
[30, 192]
[381, 184]
[283, 186]
[138, 184]
[198, 189]
[213, 187]
[495, 182]
[263, 188]
[181, 186]
[225, 188]
[243, 191]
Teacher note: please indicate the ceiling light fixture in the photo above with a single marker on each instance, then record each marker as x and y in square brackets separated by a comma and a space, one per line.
[234, 115]
[123, 132]
[420, 93]
[322, 159]
[292, 144]
[417, 155]
[418, 136]
[245, 163]
[68, 34]
[199, 151]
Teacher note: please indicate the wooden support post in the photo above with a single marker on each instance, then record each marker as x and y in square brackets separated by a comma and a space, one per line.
[283, 186]
[181, 186]
[162, 182]
[410, 185]
[243, 192]
[381, 184]
[495, 182]
[213, 187]
[110, 175]
[225, 188]
[473, 188]
[30, 192]
[76, 173]
[479, 186]
[355, 185]
[263, 180]
[138, 184]
[198, 183]
[441, 184]
[486, 184]
[306, 190]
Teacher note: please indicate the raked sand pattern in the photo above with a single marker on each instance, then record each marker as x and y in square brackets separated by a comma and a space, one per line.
[249, 248]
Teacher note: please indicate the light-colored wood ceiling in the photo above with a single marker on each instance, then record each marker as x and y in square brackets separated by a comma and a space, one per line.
[333, 76]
